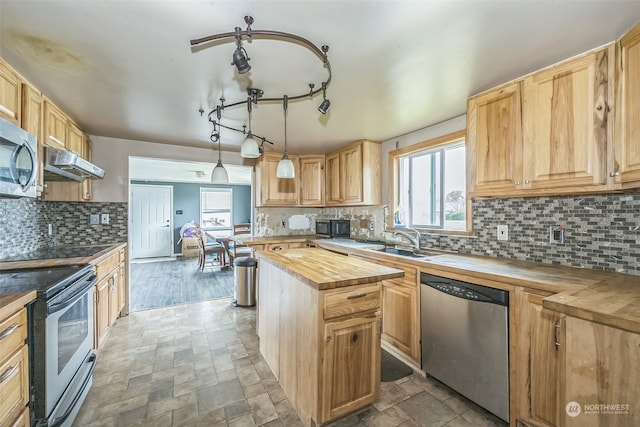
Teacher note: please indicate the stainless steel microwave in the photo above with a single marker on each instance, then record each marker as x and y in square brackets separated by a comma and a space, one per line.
[18, 161]
[334, 228]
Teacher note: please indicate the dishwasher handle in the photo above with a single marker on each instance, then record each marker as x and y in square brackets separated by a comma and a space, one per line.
[464, 290]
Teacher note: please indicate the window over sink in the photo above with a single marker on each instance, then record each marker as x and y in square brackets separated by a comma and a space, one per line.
[429, 183]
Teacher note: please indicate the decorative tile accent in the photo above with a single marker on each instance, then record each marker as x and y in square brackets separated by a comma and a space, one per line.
[24, 224]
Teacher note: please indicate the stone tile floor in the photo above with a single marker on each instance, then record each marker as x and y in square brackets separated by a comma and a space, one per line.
[199, 365]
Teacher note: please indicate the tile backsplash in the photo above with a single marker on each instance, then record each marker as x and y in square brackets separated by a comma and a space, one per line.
[24, 224]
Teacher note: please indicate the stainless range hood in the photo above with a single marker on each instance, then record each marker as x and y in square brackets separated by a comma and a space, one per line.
[61, 165]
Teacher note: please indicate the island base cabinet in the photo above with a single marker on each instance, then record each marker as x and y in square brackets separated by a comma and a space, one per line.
[601, 376]
[351, 362]
[323, 346]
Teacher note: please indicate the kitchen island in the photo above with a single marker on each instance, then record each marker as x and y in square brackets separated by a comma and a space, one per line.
[319, 328]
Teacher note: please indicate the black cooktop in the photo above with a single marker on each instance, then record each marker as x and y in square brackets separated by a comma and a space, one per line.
[59, 252]
[43, 280]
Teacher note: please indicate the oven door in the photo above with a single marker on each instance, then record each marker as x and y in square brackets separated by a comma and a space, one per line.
[69, 339]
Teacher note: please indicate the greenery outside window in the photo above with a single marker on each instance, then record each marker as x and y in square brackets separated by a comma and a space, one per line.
[430, 183]
[215, 210]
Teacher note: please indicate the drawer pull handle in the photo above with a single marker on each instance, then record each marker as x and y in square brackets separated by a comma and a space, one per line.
[11, 329]
[356, 296]
[556, 330]
[7, 374]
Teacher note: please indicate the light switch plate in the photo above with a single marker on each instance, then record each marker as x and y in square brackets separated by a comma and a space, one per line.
[94, 219]
[503, 232]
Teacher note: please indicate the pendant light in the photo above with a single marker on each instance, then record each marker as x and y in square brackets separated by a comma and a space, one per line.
[249, 148]
[285, 166]
[219, 174]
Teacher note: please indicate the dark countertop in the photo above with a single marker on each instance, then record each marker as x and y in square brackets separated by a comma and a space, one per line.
[59, 256]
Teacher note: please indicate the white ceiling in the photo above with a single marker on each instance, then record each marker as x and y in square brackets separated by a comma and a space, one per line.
[125, 69]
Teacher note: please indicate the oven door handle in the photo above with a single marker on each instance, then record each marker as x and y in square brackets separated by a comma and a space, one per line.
[60, 420]
[89, 282]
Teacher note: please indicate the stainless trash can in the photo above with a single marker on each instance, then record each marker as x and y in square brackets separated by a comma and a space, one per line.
[244, 294]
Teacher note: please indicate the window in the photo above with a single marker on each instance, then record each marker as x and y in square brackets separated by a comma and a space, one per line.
[431, 178]
[215, 210]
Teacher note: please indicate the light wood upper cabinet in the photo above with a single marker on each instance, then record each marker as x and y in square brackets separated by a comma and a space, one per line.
[32, 109]
[566, 129]
[353, 175]
[274, 191]
[627, 137]
[86, 193]
[10, 94]
[494, 139]
[55, 126]
[75, 139]
[312, 180]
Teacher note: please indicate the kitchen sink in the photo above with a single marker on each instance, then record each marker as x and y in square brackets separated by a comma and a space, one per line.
[402, 252]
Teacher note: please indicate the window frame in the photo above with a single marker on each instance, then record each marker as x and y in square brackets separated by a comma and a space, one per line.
[229, 190]
[394, 177]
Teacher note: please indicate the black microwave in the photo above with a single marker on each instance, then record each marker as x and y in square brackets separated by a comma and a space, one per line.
[334, 228]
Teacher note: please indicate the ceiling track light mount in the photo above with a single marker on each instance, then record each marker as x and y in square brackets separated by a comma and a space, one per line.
[240, 59]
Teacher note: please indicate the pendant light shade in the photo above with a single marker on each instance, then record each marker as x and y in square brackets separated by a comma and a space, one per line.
[285, 166]
[219, 174]
[250, 148]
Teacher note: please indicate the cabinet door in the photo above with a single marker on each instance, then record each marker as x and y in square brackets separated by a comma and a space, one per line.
[312, 181]
[333, 179]
[601, 368]
[494, 140]
[55, 126]
[351, 364]
[114, 298]
[400, 320]
[122, 283]
[277, 191]
[627, 149]
[86, 186]
[32, 121]
[351, 174]
[10, 94]
[14, 387]
[566, 127]
[101, 311]
[75, 139]
[545, 361]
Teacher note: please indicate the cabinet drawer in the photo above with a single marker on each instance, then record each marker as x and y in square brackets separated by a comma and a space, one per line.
[108, 265]
[13, 333]
[277, 246]
[354, 300]
[14, 386]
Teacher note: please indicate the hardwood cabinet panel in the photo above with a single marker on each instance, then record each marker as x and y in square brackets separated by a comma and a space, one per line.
[32, 118]
[494, 140]
[312, 180]
[274, 191]
[400, 321]
[55, 126]
[75, 139]
[333, 189]
[565, 121]
[14, 387]
[351, 363]
[353, 175]
[13, 330]
[101, 311]
[10, 94]
[627, 149]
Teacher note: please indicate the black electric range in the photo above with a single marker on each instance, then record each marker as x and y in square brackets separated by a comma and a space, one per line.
[55, 252]
[45, 281]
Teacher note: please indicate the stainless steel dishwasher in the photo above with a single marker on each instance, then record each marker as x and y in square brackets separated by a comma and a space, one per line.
[465, 340]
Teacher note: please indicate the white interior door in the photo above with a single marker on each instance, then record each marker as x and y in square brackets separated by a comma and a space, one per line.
[151, 221]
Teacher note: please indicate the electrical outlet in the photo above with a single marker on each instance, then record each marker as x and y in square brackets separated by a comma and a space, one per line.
[283, 224]
[372, 225]
[104, 219]
[94, 219]
[503, 232]
[556, 234]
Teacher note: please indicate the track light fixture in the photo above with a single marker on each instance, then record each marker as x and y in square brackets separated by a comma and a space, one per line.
[324, 106]
[250, 148]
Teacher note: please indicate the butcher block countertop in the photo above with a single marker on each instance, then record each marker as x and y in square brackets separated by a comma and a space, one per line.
[327, 270]
[63, 255]
[610, 298]
[249, 240]
[10, 303]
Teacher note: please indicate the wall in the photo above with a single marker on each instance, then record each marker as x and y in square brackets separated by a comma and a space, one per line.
[112, 154]
[186, 198]
[24, 224]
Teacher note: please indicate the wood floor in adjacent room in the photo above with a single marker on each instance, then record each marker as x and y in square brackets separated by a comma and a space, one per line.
[199, 364]
[176, 281]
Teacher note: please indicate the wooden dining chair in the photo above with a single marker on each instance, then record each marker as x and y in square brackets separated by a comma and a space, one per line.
[240, 250]
[206, 250]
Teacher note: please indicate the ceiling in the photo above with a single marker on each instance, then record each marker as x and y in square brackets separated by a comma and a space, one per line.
[125, 69]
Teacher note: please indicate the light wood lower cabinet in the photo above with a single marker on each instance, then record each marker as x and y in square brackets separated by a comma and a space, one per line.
[322, 346]
[14, 370]
[539, 361]
[110, 294]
